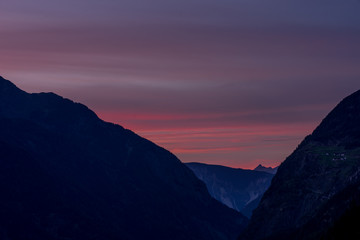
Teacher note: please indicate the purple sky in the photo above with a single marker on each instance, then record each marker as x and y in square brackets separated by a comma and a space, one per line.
[227, 82]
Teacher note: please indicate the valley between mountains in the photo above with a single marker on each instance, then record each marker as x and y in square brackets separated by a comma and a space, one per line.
[65, 174]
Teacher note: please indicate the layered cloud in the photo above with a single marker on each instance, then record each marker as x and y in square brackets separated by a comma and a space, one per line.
[227, 82]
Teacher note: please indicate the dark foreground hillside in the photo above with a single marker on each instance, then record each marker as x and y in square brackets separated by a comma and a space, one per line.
[316, 191]
[65, 174]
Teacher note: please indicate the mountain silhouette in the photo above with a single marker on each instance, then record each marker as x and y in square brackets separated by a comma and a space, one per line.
[261, 168]
[65, 174]
[316, 190]
[237, 188]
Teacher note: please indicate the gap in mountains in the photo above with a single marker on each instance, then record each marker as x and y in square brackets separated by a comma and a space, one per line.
[237, 188]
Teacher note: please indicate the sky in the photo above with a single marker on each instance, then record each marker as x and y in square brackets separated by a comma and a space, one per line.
[231, 82]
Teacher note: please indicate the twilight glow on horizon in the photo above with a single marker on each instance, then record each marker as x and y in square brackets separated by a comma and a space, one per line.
[235, 83]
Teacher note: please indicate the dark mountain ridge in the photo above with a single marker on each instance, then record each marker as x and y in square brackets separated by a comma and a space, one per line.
[66, 174]
[310, 191]
[237, 188]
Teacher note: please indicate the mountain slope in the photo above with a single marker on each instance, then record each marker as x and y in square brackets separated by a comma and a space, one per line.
[66, 174]
[261, 168]
[303, 199]
[237, 188]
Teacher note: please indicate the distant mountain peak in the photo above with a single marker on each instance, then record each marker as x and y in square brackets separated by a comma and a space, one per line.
[262, 168]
